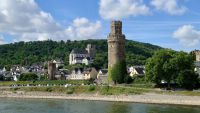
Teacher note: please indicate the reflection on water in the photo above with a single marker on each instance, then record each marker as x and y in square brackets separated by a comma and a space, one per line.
[75, 106]
[118, 108]
[172, 109]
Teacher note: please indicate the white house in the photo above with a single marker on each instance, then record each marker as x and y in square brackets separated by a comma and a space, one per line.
[83, 74]
[77, 74]
[4, 69]
[136, 71]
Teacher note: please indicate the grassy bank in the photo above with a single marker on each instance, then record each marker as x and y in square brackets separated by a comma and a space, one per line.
[78, 88]
[50, 82]
[103, 90]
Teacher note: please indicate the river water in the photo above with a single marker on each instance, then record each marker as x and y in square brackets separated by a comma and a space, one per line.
[11, 105]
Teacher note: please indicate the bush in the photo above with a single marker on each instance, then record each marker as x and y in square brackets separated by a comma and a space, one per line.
[91, 88]
[49, 89]
[15, 89]
[28, 77]
[128, 79]
[105, 90]
[70, 91]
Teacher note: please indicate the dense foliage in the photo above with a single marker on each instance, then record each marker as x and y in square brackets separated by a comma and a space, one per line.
[172, 67]
[28, 77]
[118, 72]
[28, 53]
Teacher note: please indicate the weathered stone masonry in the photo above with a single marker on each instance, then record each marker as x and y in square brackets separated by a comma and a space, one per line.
[116, 44]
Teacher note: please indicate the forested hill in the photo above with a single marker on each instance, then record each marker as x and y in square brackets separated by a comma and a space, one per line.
[27, 53]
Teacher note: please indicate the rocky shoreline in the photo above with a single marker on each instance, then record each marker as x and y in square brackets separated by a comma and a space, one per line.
[151, 98]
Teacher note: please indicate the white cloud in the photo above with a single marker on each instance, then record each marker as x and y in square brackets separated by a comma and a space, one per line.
[118, 9]
[81, 27]
[2, 41]
[170, 6]
[25, 21]
[187, 35]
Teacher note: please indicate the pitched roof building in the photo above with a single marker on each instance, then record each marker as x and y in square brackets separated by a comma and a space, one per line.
[78, 56]
[83, 74]
[136, 71]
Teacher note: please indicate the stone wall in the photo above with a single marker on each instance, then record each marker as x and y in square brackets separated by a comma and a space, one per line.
[51, 70]
[196, 53]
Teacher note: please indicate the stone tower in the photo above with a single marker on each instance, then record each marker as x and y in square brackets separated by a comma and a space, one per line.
[51, 70]
[91, 49]
[196, 53]
[116, 44]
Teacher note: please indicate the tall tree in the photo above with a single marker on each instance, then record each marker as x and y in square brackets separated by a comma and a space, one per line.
[171, 66]
[159, 67]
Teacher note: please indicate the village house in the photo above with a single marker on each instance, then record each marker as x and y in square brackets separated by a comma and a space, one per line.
[136, 71]
[83, 74]
[90, 73]
[62, 74]
[102, 77]
[16, 70]
[58, 63]
[197, 68]
[196, 54]
[76, 74]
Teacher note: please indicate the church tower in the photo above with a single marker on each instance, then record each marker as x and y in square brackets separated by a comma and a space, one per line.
[116, 44]
[91, 49]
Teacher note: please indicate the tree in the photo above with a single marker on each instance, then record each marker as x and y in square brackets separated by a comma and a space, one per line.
[171, 66]
[187, 79]
[28, 77]
[118, 72]
[28, 53]
[159, 67]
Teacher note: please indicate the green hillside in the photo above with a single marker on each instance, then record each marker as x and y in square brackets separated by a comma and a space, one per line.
[27, 53]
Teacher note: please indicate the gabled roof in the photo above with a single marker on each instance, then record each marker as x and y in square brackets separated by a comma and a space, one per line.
[88, 70]
[78, 69]
[104, 71]
[79, 51]
[140, 70]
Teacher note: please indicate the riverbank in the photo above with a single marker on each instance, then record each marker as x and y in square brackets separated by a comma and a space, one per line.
[151, 98]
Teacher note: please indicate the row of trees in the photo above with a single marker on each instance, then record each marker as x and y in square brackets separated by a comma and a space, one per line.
[172, 67]
[165, 65]
[28, 53]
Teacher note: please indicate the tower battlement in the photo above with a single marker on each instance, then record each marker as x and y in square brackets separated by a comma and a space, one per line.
[116, 27]
[196, 53]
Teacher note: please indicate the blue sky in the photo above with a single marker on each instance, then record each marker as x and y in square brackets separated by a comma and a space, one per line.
[168, 23]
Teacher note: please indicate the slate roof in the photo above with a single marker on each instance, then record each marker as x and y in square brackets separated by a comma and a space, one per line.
[78, 69]
[87, 70]
[197, 64]
[104, 71]
[79, 51]
[140, 70]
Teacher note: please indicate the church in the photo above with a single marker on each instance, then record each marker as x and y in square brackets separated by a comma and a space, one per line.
[86, 56]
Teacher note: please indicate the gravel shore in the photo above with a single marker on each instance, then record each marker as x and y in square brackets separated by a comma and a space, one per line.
[143, 98]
